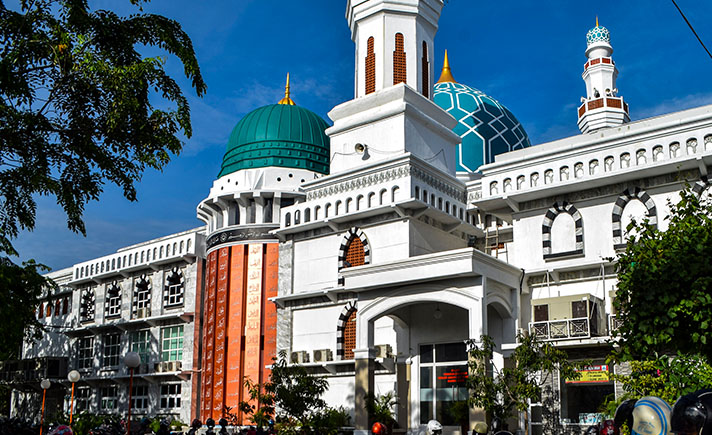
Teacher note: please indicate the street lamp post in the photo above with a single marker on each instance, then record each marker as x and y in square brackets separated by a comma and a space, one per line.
[132, 360]
[45, 384]
[73, 377]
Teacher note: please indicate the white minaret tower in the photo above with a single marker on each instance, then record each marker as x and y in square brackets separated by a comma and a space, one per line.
[602, 107]
[394, 43]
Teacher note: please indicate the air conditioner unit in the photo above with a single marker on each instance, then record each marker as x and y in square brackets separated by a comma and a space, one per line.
[383, 351]
[323, 355]
[143, 312]
[174, 366]
[300, 357]
[158, 367]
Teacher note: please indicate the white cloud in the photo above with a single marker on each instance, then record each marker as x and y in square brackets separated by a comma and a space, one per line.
[675, 105]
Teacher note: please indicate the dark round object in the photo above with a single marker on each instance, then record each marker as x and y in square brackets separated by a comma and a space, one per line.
[624, 414]
[210, 423]
[692, 413]
[196, 424]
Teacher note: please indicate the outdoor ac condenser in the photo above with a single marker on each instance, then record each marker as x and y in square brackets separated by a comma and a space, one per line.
[323, 355]
[383, 351]
[299, 357]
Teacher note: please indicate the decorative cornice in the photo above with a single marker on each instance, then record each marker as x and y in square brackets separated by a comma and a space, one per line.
[389, 174]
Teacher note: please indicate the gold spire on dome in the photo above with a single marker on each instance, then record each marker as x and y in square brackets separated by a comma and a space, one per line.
[286, 100]
[596, 20]
[446, 75]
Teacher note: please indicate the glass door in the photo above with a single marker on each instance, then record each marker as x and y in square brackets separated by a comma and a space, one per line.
[443, 372]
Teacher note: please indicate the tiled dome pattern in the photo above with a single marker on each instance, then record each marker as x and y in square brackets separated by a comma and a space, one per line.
[486, 127]
[598, 34]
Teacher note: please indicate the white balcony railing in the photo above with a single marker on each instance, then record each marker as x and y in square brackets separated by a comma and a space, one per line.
[561, 329]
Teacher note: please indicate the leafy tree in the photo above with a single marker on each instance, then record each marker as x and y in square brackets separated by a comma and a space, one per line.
[667, 377]
[260, 408]
[80, 106]
[501, 392]
[664, 295]
[294, 395]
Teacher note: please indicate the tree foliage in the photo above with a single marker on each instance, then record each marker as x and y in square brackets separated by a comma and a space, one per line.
[294, 399]
[664, 295]
[667, 377]
[502, 391]
[80, 106]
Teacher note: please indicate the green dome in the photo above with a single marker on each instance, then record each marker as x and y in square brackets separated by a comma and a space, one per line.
[278, 135]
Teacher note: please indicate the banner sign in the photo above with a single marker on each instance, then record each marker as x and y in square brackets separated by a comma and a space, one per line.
[592, 374]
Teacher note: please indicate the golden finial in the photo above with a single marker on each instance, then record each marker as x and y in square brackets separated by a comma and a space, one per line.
[446, 75]
[286, 100]
[596, 20]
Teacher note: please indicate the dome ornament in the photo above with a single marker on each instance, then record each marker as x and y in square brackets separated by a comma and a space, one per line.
[287, 100]
[446, 75]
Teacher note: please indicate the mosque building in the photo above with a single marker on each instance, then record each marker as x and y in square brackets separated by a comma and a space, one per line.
[370, 248]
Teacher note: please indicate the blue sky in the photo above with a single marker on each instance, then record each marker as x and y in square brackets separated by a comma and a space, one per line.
[528, 55]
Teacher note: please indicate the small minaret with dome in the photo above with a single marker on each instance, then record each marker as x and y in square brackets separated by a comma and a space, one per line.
[602, 107]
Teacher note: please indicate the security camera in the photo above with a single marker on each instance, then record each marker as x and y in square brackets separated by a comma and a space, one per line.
[360, 148]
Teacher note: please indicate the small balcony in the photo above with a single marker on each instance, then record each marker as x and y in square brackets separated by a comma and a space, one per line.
[562, 329]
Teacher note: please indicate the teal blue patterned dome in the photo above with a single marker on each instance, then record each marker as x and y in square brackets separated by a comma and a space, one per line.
[486, 127]
[598, 34]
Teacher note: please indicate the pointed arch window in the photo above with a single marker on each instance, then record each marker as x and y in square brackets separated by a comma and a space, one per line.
[370, 66]
[399, 69]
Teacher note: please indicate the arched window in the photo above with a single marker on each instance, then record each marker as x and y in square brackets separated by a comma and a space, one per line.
[49, 309]
[425, 68]
[40, 311]
[549, 176]
[141, 303]
[354, 250]
[399, 71]
[562, 235]
[691, 145]
[658, 153]
[370, 66]
[346, 333]
[65, 305]
[564, 173]
[112, 301]
[174, 288]
[621, 219]
[307, 215]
